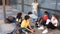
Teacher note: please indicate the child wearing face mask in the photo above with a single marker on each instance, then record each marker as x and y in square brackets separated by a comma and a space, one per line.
[51, 24]
[43, 20]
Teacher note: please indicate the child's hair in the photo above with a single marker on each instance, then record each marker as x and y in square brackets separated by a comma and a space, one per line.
[55, 15]
[26, 17]
[46, 12]
[29, 13]
[19, 15]
[35, 0]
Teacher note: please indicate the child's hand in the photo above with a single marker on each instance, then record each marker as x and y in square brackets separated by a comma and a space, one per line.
[17, 32]
[34, 12]
[54, 23]
[32, 31]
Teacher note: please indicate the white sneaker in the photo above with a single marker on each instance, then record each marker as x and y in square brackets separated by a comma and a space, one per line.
[45, 31]
[41, 28]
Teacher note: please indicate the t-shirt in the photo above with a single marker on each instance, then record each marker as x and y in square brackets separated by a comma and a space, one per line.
[24, 24]
[19, 20]
[54, 21]
[34, 6]
[45, 17]
[33, 16]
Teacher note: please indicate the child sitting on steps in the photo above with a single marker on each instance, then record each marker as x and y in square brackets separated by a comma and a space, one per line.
[25, 25]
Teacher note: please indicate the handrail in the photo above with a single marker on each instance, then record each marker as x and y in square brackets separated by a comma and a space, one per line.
[45, 8]
[42, 7]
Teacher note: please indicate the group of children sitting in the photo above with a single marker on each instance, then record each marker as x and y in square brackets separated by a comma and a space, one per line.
[24, 24]
[20, 23]
[46, 23]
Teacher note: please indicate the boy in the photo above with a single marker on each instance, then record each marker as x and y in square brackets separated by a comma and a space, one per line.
[43, 20]
[33, 17]
[25, 25]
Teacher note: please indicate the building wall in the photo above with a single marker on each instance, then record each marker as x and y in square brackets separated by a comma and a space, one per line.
[6, 2]
[0, 2]
[51, 4]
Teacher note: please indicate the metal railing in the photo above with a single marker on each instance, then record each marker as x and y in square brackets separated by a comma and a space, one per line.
[4, 10]
[26, 5]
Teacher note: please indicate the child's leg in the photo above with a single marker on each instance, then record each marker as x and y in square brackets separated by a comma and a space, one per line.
[34, 12]
[51, 26]
[40, 21]
[45, 31]
[43, 23]
[14, 32]
[17, 32]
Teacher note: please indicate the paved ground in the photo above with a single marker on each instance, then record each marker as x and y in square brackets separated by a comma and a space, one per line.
[10, 11]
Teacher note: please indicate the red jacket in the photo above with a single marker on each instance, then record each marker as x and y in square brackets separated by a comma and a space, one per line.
[45, 17]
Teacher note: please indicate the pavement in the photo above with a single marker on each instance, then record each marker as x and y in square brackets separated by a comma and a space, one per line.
[13, 12]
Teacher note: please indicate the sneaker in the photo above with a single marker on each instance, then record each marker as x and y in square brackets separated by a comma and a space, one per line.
[45, 31]
[41, 28]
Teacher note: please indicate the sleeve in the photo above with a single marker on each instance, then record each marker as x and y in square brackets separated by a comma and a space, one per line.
[16, 19]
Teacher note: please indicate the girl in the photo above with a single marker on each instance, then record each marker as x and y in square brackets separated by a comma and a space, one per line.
[18, 24]
[52, 24]
[34, 7]
[19, 18]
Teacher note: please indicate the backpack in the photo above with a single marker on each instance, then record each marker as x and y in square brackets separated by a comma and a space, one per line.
[10, 19]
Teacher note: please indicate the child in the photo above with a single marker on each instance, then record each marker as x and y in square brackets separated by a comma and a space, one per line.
[52, 24]
[25, 25]
[33, 17]
[34, 7]
[19, 18]
[18, 24]
[43, 20]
